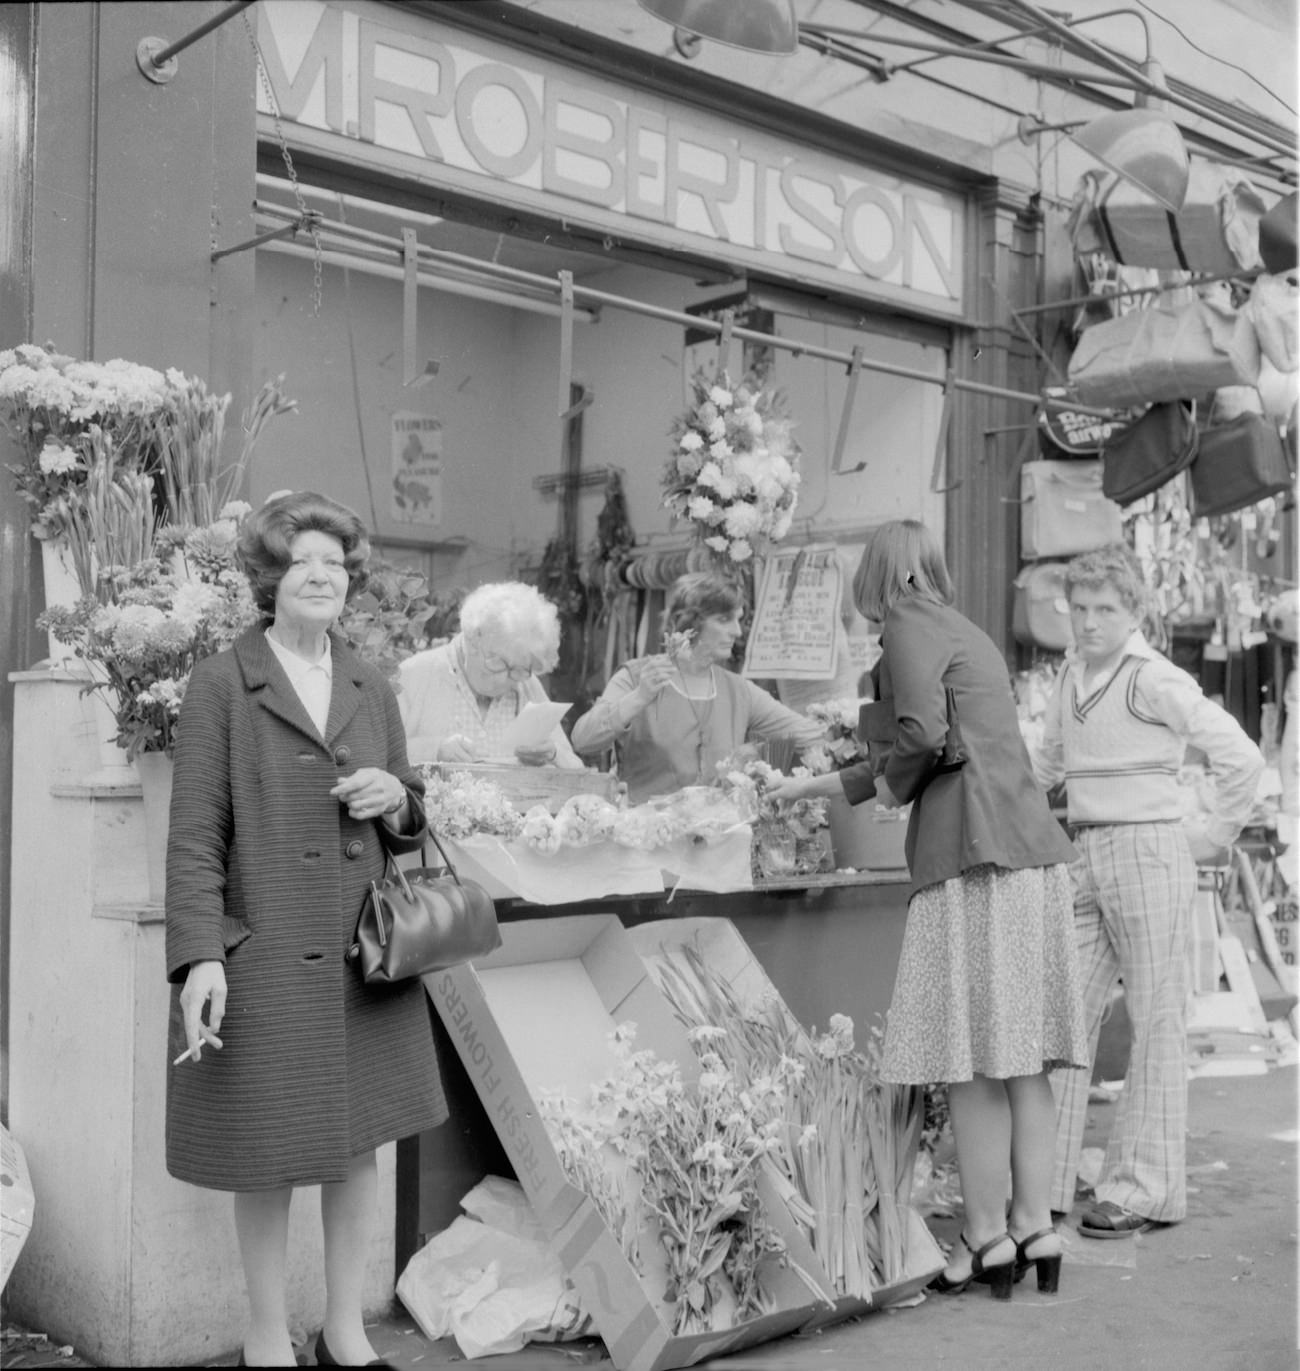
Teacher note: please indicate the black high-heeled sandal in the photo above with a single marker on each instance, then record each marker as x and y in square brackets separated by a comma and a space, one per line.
[1049, 1268]
[999, 1276]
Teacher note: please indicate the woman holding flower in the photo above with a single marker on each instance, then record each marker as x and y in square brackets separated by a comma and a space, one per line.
[673, 716]
[291, 787]
[987, 996]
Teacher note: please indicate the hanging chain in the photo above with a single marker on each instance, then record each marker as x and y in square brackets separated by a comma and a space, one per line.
[308, 217]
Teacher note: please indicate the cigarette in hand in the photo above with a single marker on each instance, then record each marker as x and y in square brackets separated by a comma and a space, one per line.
[194, 1051]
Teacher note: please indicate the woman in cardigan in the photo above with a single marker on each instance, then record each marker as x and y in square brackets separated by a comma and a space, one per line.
[291, 785]
[987, 995]
[459, 699]
[674, 716]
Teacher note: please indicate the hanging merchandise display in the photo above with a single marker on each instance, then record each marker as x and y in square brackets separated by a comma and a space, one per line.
[1158, 354]
[1069, 433]
[1239, 463]
[1277, 236]
[1217, 230]
[1150, 453]
[1063, 510]
[1274, 310]
[1040, 612]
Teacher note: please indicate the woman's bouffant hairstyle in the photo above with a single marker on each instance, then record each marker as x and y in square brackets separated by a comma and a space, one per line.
[267, 532]
[515, 614]
[901, 558]
[1114, 567]
[697, 596]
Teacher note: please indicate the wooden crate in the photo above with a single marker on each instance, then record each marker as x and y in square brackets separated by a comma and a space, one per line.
[526, 786]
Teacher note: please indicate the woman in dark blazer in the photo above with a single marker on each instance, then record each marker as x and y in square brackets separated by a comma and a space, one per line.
[987, 994]
[291, 784]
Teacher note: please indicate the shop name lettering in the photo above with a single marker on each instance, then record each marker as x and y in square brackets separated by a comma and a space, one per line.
[531, 128]
[510, 1123]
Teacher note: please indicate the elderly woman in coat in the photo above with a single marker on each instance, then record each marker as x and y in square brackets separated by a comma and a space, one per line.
[291, 786]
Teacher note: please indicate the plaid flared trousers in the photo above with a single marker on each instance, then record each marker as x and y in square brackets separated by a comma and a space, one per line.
[1134, 885]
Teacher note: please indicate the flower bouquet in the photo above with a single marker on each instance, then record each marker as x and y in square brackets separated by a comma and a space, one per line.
[788, 834]
[684, 1163]
[143, 643]
[842, 746]
[734, 471]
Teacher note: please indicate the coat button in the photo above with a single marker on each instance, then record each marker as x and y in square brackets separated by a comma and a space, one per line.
[354, 849]
[342, 756]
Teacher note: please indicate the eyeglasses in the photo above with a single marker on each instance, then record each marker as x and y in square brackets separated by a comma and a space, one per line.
[498, 666]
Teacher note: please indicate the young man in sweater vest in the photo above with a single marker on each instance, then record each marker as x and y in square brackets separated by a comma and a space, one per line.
[1118, 723]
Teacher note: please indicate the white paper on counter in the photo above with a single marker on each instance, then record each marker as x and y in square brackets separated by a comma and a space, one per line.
[533, 726]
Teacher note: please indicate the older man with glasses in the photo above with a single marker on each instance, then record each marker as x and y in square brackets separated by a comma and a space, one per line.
[459, 700]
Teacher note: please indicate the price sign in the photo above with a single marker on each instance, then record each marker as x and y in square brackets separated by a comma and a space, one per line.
[796, 610]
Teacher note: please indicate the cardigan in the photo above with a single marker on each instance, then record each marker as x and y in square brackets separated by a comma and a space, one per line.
[676, 741]
[266, 872]
[989, 811]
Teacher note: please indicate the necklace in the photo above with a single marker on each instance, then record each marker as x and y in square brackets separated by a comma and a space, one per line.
[702, 716]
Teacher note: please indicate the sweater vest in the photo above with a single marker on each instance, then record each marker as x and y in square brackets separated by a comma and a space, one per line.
[1121, 763]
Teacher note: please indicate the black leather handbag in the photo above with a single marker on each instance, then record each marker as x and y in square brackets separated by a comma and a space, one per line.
[1150, 452]
[1240, 463]
[422, 920]
[878, 728]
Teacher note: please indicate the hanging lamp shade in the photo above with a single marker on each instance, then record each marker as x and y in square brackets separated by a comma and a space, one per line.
[1144, 147]
[759, 25]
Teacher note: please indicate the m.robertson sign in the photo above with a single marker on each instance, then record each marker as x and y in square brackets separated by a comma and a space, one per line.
[376, 83]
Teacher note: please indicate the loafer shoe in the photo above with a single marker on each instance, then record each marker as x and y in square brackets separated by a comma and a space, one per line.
[1106, 1219]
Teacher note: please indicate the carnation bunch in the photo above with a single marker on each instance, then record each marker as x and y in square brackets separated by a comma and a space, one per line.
[733, 472]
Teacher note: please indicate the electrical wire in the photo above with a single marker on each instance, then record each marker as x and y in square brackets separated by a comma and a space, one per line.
[1223, 61]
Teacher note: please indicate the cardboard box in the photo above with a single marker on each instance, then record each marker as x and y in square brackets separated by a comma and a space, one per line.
[534, 1016]
[729, 957]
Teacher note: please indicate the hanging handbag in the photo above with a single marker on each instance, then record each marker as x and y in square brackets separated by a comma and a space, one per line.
[1239, 463]
[1040, 612]
[1063, 510]
[422, 920]
[1164, 353]
[1152, 452]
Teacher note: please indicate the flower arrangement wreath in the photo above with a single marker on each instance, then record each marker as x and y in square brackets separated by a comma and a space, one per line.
[734, 469]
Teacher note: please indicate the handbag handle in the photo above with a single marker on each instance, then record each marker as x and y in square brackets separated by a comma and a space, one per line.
[400, 875]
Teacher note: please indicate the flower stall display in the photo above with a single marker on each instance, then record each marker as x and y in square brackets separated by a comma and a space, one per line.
[842, 746]
[734, 470]
[789, 835]
[163, 617]
[589, 846]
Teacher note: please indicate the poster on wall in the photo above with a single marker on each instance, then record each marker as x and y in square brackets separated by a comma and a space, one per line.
[417, 469]
[796, 614]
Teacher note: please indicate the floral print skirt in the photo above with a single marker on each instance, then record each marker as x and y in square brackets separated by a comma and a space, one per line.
[988, 980]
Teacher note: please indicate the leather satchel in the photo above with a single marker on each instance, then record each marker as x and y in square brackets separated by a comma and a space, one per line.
[422, 920]
[1150, 453]
[1239, 464]
[878, 728]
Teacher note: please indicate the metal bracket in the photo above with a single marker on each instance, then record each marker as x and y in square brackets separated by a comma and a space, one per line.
[309, 220]
[846, 415]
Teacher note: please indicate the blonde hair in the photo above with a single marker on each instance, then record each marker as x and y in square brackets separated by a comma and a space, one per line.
[901, 558]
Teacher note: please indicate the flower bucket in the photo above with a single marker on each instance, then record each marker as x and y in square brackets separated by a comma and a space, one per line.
[62, 589]
[156, 789]
[866, 837]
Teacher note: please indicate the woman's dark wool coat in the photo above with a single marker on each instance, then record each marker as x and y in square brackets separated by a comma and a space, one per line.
[267, 872]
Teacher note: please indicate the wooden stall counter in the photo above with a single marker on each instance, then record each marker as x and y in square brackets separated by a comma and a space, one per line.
[829, 943]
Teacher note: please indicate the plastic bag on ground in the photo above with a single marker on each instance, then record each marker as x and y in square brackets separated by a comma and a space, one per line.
[490, 1288]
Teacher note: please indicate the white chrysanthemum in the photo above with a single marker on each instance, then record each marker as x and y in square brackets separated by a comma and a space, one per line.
[690, 441]
[742, 521]
[56, 459]
[193, 601]
[741, 550]
[717, 542]
[720, 397]
[720, 450]
[701, 507]
[780, 468]
[709, 475]
[717, 429]
[235, 509]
